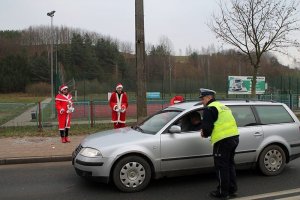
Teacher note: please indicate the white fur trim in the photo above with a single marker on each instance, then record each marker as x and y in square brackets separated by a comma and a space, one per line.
[57, 99]
[119, 86]
[61, 89]
[115, 107]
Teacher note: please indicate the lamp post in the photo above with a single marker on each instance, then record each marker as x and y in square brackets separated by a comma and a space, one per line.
[170, 74]
[51, 14]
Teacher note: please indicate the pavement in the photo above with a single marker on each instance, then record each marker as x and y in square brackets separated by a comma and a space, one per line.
[36, 149]
[21, 150]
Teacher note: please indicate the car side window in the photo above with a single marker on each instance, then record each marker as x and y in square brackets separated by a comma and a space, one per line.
[243, 115]
[183, 123]
[190, 121]
[273, 114]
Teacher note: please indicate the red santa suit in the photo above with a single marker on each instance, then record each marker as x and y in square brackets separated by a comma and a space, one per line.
[64, 107]
[118, 103]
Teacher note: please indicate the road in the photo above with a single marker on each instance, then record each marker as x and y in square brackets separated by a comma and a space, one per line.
[54, 181]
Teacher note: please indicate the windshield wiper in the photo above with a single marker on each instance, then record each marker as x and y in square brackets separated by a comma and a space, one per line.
[139, 129]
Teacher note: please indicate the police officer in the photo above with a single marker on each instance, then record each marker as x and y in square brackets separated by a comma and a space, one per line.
[219, 123]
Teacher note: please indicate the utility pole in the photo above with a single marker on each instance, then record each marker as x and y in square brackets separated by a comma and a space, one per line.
[140, 61]
[170, 79]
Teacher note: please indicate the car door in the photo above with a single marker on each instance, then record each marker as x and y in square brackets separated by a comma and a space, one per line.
[251, 133]
[185, 150]
[277, 122]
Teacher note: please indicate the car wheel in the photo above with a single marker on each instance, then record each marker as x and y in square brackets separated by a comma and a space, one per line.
[131, 174]
[272, 160]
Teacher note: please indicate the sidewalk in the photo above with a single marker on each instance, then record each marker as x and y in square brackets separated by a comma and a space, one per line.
[36, 149]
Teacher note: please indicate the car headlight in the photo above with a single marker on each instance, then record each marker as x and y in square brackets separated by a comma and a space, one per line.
[89, 152]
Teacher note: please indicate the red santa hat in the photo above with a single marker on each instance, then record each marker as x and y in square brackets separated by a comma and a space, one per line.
[177, 99]
[62, 87]
[119, 85]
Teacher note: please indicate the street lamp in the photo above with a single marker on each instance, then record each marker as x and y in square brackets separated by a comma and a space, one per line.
[51, 14]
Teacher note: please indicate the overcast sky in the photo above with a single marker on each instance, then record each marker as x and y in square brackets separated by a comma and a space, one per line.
[182, 21]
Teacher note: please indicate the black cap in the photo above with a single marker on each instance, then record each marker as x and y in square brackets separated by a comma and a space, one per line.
[206, 92]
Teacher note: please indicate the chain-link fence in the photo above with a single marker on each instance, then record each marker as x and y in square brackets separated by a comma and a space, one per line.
[86, 112]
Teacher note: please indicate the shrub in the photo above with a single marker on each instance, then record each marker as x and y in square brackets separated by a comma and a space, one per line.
[39, 89]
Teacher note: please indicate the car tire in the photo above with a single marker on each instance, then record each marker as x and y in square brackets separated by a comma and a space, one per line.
[131, 174]
[272, 160]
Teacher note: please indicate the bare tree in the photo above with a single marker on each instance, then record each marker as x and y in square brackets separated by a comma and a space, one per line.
[256, 27]
[167, 47]
[165, 42]
[126, 47]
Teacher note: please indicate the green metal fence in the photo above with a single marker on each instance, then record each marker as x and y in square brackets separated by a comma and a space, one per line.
[98, 111]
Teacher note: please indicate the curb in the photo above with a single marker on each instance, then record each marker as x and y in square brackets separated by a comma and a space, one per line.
[26, 160]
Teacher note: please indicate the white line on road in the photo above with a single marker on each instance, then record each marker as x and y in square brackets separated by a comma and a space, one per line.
[291, 198]
[271, 194]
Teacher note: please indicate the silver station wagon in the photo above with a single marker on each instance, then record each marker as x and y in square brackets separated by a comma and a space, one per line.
[165, 144]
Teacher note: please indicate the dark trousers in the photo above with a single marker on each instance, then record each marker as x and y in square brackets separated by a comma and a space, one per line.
[64, 133]
[224, 151]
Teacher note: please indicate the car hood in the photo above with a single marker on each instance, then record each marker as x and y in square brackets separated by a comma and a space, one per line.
[113, 137]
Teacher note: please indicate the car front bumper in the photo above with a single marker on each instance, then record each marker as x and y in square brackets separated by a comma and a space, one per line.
[96, 168]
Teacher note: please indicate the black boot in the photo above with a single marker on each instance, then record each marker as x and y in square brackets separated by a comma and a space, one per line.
[67, 139]
[62, 135]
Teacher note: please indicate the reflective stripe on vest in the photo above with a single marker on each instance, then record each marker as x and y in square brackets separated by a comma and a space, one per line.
[225, 126]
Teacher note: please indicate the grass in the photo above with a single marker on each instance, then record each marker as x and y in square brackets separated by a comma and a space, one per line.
[32, 131]
[11, 110]
[19, 98]
[51, 131]
[13, 104]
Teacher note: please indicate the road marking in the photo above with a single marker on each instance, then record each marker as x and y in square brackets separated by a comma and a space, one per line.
[291, 198]
[271, 194]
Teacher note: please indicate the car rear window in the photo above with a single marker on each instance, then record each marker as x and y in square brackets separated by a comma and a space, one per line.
[273, 114]
[243, 115]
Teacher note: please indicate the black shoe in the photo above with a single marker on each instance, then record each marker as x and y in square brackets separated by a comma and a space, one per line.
[217, 195]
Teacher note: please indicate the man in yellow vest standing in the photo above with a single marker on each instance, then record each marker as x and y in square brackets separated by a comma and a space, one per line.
[219, 124]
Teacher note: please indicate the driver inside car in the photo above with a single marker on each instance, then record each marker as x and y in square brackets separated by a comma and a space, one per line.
[195, 121]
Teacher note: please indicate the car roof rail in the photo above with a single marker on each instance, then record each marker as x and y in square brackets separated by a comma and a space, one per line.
[249, 100]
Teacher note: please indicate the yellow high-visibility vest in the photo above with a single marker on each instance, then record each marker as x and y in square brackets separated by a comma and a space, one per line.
[225, 126]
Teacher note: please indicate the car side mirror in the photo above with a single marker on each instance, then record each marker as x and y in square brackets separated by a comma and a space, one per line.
[175, 129]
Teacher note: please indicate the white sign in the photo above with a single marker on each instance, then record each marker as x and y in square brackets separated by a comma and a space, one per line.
[243, 84]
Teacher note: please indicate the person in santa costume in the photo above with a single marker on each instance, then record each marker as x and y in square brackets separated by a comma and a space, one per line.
[118, 102]
[64, 107]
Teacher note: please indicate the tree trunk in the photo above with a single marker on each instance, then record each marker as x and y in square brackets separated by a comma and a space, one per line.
[253, 85]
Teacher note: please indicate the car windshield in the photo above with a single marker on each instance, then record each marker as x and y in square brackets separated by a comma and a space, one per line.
[154, 123]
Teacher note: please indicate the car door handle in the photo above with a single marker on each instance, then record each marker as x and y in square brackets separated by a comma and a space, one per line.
[258, 134]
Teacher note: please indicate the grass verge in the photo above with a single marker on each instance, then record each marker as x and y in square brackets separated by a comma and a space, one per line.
[20, 98]
[32, 131]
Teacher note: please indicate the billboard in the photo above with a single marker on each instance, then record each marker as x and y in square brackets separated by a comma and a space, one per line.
[242, 84]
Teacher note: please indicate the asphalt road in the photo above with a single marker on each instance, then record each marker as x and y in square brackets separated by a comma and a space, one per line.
[58, 181]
